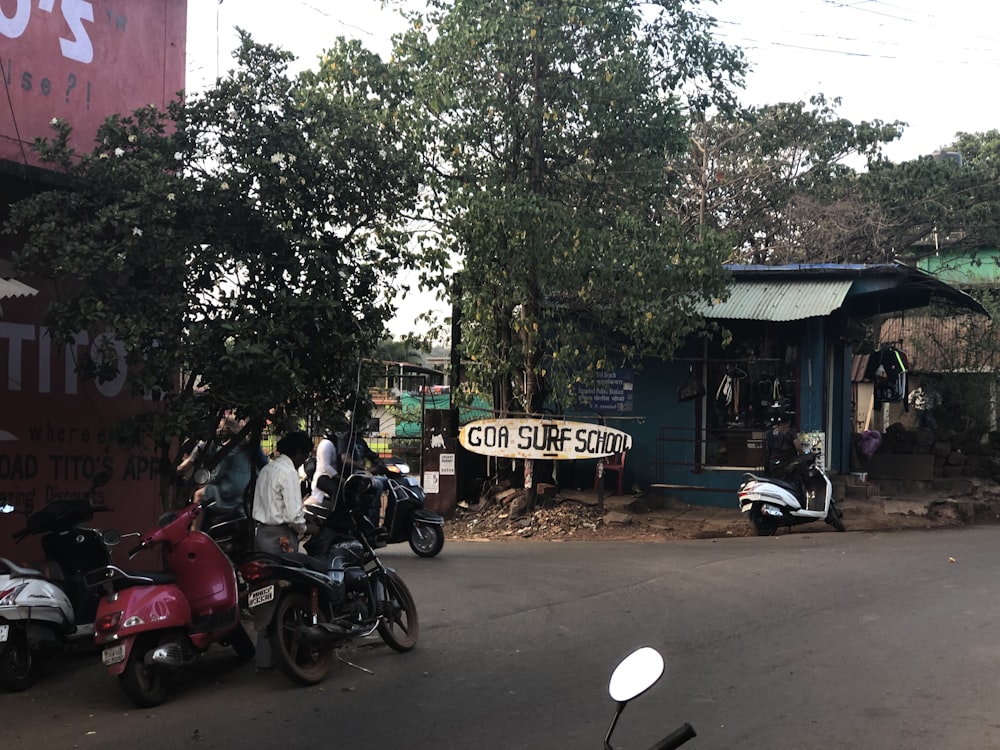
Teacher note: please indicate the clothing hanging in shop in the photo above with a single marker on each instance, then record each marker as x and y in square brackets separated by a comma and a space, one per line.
[887, 369]
[767, 391]
[728, 396]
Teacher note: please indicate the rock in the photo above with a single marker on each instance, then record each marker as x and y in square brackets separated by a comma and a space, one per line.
[638, 506]
[506, 495]
[956, 459]
[617, 518]
[941, 449]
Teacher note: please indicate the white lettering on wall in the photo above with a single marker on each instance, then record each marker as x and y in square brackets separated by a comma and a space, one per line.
[19, 339]
[14, 26]
[112, 387]
[15, 333]
[71, 380]
[77, 47]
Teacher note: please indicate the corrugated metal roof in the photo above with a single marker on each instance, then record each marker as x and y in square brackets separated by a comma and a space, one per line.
[11, 287]
[778, 300]
[15, 288]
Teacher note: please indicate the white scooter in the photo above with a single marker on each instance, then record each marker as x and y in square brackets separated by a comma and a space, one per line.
[46, 606]
[638, 672]
[771, 502]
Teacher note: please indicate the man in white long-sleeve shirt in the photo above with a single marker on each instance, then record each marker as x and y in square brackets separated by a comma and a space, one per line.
[277, 508]
[277, 497]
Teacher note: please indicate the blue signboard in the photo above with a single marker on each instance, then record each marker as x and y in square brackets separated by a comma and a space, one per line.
[611, 392]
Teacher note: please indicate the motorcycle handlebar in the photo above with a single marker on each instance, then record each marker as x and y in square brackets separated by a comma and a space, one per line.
[676, 738]
[135, 550]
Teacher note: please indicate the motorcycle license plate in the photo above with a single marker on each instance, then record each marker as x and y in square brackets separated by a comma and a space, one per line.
[4, 630]
[113, 655]
[260, 596]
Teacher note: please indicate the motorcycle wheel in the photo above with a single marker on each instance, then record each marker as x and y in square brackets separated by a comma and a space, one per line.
[18, 666]
[426, 540]
[399, 626]
[763, 525]
[300, 662]
[835, 518]
[144, 684]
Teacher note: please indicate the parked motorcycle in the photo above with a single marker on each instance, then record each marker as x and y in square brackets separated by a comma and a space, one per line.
[234, 535]
[308, 604]
[771, 502]
[150, 624]
[45, 607]
[406, 518]
[638, 672]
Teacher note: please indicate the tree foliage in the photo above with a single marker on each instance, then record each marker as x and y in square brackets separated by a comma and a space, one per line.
[551, 127]
[934, 201]
[242, 240]
[796, 183]
[778, 179]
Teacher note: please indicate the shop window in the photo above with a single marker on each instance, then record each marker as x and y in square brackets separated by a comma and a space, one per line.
[742, 392]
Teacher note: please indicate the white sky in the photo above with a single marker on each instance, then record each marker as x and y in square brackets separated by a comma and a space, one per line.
[928, 63]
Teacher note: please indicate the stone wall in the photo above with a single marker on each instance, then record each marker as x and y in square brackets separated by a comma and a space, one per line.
[952, 454]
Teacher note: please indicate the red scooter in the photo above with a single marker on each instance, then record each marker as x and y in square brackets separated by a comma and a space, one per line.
[149, 624]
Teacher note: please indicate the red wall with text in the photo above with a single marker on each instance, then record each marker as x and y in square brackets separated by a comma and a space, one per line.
[82, 61]
[54, 430]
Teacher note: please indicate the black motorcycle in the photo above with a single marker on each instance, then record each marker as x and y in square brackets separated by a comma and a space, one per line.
[406, 518]
[310, 603]
[46, 607]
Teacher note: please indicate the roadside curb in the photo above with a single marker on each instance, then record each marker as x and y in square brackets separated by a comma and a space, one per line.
[579, 515]
[868, 514]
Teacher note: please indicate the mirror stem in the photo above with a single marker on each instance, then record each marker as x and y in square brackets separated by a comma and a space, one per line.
[614, 722]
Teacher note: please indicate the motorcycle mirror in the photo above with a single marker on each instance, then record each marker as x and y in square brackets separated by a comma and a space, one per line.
[636, 674]
[201, 476]
[6, 508]
[111, 537]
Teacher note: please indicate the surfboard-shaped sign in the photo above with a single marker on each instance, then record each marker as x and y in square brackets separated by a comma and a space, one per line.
[542, 439]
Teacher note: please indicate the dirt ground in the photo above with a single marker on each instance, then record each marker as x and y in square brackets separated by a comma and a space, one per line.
[578, 520]
[624, 519]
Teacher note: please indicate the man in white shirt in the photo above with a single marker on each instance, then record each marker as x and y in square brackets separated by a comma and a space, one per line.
[326, 465]
[277, 508]
[277, 497]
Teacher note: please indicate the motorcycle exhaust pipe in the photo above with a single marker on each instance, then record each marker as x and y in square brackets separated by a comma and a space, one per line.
[328, 633]
[169, 655]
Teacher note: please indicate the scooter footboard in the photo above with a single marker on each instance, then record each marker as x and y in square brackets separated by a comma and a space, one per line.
[817, 487]
[422, 515]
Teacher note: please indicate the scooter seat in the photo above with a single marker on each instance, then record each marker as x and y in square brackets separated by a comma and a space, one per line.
[296, 559]
[112, 578]
[785, 485]
[20, 571]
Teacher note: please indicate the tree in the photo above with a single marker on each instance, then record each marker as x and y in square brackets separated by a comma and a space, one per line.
[777, 179]
[934, 201]
[239, 246]
[403, 350]
[551, 126]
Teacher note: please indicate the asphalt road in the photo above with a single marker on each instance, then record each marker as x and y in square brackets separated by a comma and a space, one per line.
[860, 640]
